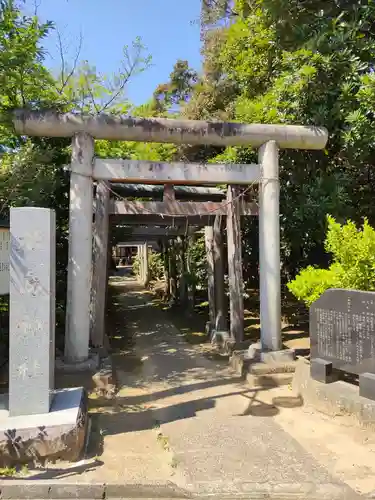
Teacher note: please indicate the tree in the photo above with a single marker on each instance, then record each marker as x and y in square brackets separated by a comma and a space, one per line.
[305, 63]
[177, 90]
[32, 169]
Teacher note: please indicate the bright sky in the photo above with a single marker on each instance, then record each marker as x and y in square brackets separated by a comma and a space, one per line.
[168, 28]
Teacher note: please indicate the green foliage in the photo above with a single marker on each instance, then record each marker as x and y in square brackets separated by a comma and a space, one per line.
[311, 283]
[178, 89]
[308, 63]
[32, 170]
[155, 266]
[196, 257]
[353, 263]
[24, 81]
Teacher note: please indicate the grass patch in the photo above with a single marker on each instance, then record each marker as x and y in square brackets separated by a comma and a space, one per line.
[8, 472]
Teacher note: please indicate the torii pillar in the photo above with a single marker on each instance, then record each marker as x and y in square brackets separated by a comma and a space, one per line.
[80, 250]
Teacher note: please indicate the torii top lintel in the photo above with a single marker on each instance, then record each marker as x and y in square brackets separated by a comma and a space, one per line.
[128, 128]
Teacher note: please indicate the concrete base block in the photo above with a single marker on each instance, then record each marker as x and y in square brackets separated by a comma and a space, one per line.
[89, 365]
[271, 374]
[59, 434]
[338, 399]
[284, 356]
[258, 373]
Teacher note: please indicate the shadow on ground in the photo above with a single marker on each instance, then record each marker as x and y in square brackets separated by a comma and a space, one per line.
[162, 377]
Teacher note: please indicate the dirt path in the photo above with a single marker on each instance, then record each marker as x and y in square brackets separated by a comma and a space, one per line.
[207, 431]
[183, 418]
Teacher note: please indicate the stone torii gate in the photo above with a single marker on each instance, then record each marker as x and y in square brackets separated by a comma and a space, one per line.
[85, 168]
[207, 213]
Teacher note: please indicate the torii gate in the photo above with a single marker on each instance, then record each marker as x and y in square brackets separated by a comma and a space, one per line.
[85, 168]
[203, 212]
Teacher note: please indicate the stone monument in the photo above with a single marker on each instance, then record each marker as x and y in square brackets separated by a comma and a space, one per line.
[45, 422]
[32, 311]
[342, 333]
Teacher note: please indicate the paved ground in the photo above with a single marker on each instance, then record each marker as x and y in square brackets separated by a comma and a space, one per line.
[184, 418]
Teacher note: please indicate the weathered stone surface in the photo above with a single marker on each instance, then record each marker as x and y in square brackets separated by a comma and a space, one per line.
[258, 373]
[82, 491]
[32, 310]
[269, 379]
[59, 434]
[342, 330]
[15, 490]
[12, 490]
[105, 380]
[146, 491]
[270, 374]
[282, 356]
[30, 489]
[336, 399]
[272, 368]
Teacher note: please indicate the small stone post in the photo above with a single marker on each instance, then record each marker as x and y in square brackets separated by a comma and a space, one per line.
[100, 264]
[80, 250]
[269, 248]
[32, 310]
[235, 264]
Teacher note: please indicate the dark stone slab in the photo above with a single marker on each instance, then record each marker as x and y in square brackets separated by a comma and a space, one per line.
[367, 385]
[322, 371]
[342, 330]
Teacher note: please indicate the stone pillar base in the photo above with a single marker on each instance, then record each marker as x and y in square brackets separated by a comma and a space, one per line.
[57, 435]
[264, 369]
[89, 365]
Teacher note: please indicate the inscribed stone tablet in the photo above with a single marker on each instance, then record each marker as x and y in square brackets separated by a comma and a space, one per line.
[32, 310]
[342, 330]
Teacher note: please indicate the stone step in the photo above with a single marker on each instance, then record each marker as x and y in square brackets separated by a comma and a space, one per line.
[243, 365]
[271, 368]
[269, 379]
[270, 374]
